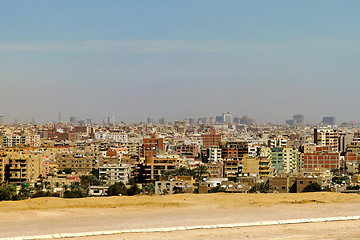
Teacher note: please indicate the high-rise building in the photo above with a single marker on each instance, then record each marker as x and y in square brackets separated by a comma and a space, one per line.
[327, 137]
[88, 121]
[219, 119]
[150, 120]
[111, 120]
[329, 120]
[227, 118]
[298, 119]
[60, 117]
[2, 119]
[162, 120]
[247, 120]
[73, 119]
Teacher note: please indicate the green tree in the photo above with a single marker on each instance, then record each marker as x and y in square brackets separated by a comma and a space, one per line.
[149, 189]
[312, 187]
[201, 171]
[7, 192]
[117, 189]
[166, 175]
[24, 191]
[217, 189]
[66, 171]
[133, 190]
[88, 180]
[95, 173]
[263, 187]
[341, 180]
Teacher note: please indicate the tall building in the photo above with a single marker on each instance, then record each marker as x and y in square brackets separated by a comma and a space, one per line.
[298, 119]
[111, 120]
[2, 119]
[88, 121]
[150, 120]
[211, 139]
[227, 118]
[327, 137]
[219, 119]
[60, 117]
[329, 120]
[247, 120]
[73, 119]
[162, 120]
[151, 146]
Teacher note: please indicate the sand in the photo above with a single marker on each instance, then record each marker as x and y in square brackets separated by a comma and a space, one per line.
[55, 215]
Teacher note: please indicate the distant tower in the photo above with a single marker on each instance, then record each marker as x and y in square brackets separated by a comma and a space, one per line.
[227, 118]
[150, 120]
[2, 119]
[88, 121]
[73, 119]
[60, 117]
[112, 120]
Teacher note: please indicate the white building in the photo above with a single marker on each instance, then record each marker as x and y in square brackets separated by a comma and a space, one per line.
[113, 173]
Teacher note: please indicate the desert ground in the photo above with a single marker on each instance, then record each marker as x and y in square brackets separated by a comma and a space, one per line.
[55, 215]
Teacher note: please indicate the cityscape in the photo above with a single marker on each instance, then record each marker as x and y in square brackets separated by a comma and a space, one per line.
[200, 155]
[201, 120]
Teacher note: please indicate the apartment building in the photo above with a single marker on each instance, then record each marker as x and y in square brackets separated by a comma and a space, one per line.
[113, 173]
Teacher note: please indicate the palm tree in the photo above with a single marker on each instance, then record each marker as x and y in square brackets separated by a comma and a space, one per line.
[201, 170]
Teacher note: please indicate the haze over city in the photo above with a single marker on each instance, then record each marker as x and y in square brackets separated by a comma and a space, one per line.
[265, 59]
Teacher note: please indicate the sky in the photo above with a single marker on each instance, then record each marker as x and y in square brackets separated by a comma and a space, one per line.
[179, 59]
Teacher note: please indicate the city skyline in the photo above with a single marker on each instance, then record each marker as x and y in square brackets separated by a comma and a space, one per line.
[266, 60]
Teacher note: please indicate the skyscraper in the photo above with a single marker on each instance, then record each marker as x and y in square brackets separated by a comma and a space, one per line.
[73, 119]
[329, 120]
[227, 118]
[2, 119]
[298, 119]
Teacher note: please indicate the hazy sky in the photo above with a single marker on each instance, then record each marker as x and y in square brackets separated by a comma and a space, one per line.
[134, 59]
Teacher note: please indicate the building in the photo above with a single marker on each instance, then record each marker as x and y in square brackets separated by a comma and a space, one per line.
[327, 137]
[227, 118]
[211, 139]
[2, 119]
[78, 162]
[151, 147]
[187, 150]
[113, 173]
[153, 168]
[284, 159]
[322, 158]
[73, 119]
[298, 119]
[329, 120]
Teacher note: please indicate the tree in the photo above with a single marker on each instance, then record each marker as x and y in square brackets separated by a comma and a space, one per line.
[263, 187]
[95, 173]
[117, 189]
[76, 191]
[217, 189]
[24, 191]
[166, 175]
[7, 192]
[201, 170]
[149, 189]
[88, 180]
[66, 171]
[133, 190]
[341, 180]
[312, 187]
[355, 187]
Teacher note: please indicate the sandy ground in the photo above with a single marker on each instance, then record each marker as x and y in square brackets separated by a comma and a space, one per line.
[52, 215]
